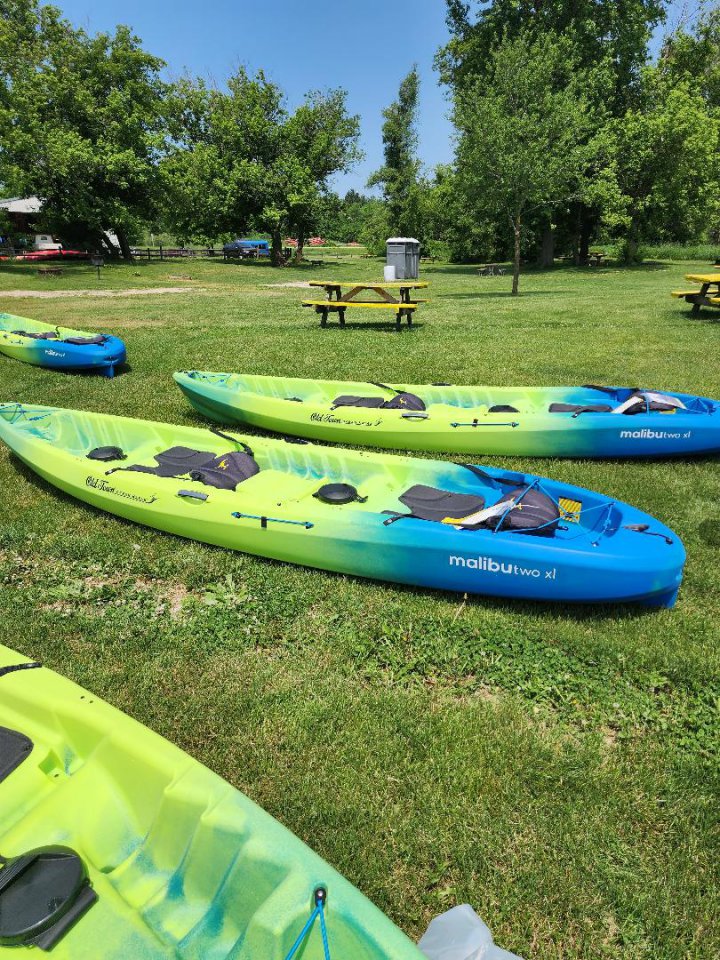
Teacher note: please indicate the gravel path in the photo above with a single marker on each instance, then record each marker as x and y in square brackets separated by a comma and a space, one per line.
[60, 294]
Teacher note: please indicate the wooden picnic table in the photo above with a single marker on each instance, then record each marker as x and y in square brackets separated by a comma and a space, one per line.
[391, 295]
[707, 296]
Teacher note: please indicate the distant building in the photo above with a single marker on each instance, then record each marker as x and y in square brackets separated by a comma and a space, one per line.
[22, 212]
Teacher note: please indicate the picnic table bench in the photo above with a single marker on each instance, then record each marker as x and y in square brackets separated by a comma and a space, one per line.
[393, 295]
[707, 296]
[50, 271]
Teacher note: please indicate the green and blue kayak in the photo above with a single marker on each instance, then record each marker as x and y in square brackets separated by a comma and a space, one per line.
[59, 348]
[117, 844]
[423, 522]
[589, 421]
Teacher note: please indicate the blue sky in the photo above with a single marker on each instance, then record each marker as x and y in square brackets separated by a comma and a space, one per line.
[365, 47]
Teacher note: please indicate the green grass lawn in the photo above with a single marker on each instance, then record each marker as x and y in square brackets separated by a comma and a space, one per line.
[555, 766]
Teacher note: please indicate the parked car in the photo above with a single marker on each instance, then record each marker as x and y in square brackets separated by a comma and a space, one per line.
[247, 248]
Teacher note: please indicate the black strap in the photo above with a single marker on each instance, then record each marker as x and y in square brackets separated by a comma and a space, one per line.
[14, 667]
[479, 472]
[226, 436]
[384, 386]
[596, 386]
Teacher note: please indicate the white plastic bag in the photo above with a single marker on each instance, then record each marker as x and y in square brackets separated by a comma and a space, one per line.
[460, 934]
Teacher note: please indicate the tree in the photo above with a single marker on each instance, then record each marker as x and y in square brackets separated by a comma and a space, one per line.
[398, 176]
[323, 137]
[523, 134]
[604, 35]
[240, 160]
[80, 120]
[598, 30]
[666, 163]
[695, 57]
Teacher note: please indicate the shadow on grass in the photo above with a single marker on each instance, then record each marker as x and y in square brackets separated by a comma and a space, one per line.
[499, 294]
[552, 611]
[369, 326]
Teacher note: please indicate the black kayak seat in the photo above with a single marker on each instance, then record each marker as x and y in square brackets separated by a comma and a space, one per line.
[432, 503]
[535, 511]
[401, 401]
[580, 407]
[95, 340]
[50, 335]
[223, 472]
[503, 408]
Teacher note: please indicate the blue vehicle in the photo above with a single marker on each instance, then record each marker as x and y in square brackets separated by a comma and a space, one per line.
[247, 249]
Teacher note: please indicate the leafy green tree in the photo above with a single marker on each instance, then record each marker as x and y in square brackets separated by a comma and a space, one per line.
[239, 160]
[598, 30]
[398, 177]
[80, 121]
[666, 164]
[694, 56]
[523, 134]
[604, 37]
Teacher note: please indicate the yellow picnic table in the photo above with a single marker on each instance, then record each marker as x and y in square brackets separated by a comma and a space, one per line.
[392, 295]
[707, 296]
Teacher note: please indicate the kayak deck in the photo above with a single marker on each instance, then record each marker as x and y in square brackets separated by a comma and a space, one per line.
[493, 531]
[183, 864]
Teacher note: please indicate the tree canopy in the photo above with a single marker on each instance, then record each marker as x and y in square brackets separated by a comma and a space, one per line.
[80, 120]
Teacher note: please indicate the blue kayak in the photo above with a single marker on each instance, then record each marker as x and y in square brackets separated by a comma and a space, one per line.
[59, 348]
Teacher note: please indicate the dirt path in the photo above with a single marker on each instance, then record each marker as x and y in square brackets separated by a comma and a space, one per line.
[61, 294]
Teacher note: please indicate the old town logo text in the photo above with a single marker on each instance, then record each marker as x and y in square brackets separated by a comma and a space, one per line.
[97, 483]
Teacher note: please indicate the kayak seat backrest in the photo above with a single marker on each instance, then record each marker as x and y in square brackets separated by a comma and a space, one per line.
[432, 503]
[401, 401]
[577, 407]
[50, 335]
[227, 471]
[535, 512]
[14, 748]
[224, 472]
[503, 408]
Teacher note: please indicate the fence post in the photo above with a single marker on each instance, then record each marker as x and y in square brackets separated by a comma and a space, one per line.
[161, 256]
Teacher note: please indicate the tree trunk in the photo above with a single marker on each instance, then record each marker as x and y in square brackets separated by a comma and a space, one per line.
[517, 229]
[106, 247]
[278, 259]
[586, 229]
[546, 257]
[300, 251]
[124, 245]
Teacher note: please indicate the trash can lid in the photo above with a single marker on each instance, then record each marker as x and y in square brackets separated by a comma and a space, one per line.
[402, 240]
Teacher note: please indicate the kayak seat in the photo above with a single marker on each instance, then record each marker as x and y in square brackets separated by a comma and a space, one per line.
[50, 335]
[503, 408]
[535, 512]
[401, 401]
[224, 472]
[432, 503]
[97, 339]
[580, 408]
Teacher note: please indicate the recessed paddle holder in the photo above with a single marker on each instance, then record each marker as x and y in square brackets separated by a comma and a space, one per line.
[42, 894]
